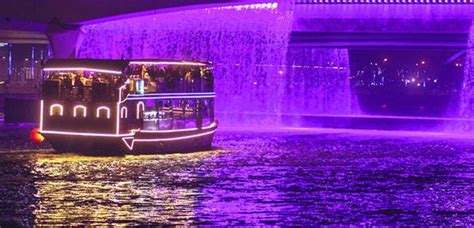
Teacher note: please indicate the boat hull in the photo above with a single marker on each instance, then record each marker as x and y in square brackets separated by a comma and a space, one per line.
[159, 142]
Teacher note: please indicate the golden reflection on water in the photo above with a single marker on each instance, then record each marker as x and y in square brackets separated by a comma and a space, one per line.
[161, 189]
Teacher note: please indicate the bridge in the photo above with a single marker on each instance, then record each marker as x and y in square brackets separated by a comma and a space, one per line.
[317, 23]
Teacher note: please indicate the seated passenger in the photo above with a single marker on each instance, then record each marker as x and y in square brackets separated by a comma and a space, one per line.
[208, 81]
[80, 86]
[150, 84]
[170, 83]
[188, 82]
[196, 75]
[67, 87]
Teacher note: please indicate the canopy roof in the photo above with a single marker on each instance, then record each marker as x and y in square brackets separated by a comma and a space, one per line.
[109, 66]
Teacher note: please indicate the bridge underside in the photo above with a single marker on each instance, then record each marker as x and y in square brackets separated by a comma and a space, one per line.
[314, 24]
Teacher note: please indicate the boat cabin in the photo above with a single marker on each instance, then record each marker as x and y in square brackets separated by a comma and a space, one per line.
[120, 98]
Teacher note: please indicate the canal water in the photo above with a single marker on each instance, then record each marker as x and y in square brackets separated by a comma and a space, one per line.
[250, 178]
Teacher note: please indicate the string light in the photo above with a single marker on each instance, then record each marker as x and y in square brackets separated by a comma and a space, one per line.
[53, 106]
[103, 108]
[84, 110]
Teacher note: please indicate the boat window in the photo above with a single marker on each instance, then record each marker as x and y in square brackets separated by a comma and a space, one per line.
[103, 112]
[184, 112]
[140, 108]
[56, 110]
[79, 110]
[124, 112]
[206, 109]
[170, 79]
[177, 114]
[82, 86]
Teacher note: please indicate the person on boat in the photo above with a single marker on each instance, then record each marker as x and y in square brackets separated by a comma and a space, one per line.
[209, 81]
[80, 86]
[196, 80]
[150, 84]
[198, 114]
[160, 80]
[188, 82]
[180, 75]
[170, 82]
[67, 86]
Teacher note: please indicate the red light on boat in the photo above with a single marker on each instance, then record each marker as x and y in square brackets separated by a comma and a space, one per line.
[35, 136]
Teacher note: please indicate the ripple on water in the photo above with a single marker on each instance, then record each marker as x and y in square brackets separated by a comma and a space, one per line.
[249, 179]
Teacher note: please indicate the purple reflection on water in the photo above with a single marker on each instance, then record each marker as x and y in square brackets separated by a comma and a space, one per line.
[370, 179]
[292, 177]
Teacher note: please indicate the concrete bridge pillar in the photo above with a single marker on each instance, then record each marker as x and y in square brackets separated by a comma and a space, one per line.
[65, 40]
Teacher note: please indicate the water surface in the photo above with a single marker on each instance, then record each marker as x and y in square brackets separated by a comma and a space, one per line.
[297, 178]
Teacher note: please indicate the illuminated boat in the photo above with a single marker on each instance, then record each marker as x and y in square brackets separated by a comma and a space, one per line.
[127, 107]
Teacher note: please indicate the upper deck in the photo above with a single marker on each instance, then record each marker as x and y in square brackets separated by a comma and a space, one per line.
[100, 80]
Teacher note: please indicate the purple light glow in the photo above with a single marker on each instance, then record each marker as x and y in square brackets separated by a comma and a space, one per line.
[257, 74]
[319, 90]
[246, 45]
[466, 103]
[467, 95]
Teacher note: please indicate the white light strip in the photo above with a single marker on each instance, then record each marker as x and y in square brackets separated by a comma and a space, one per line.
[117, 120]
[103, 108]
[84, 109]
[124, 112]
[130, 147]
[51, 109]
[123, 87]
[166, 98]
[172, 94]
[179, 130]
[166, 63]
[83, 69]
[83, 133]
[41, 115]
[139, 104]
[134, 130]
